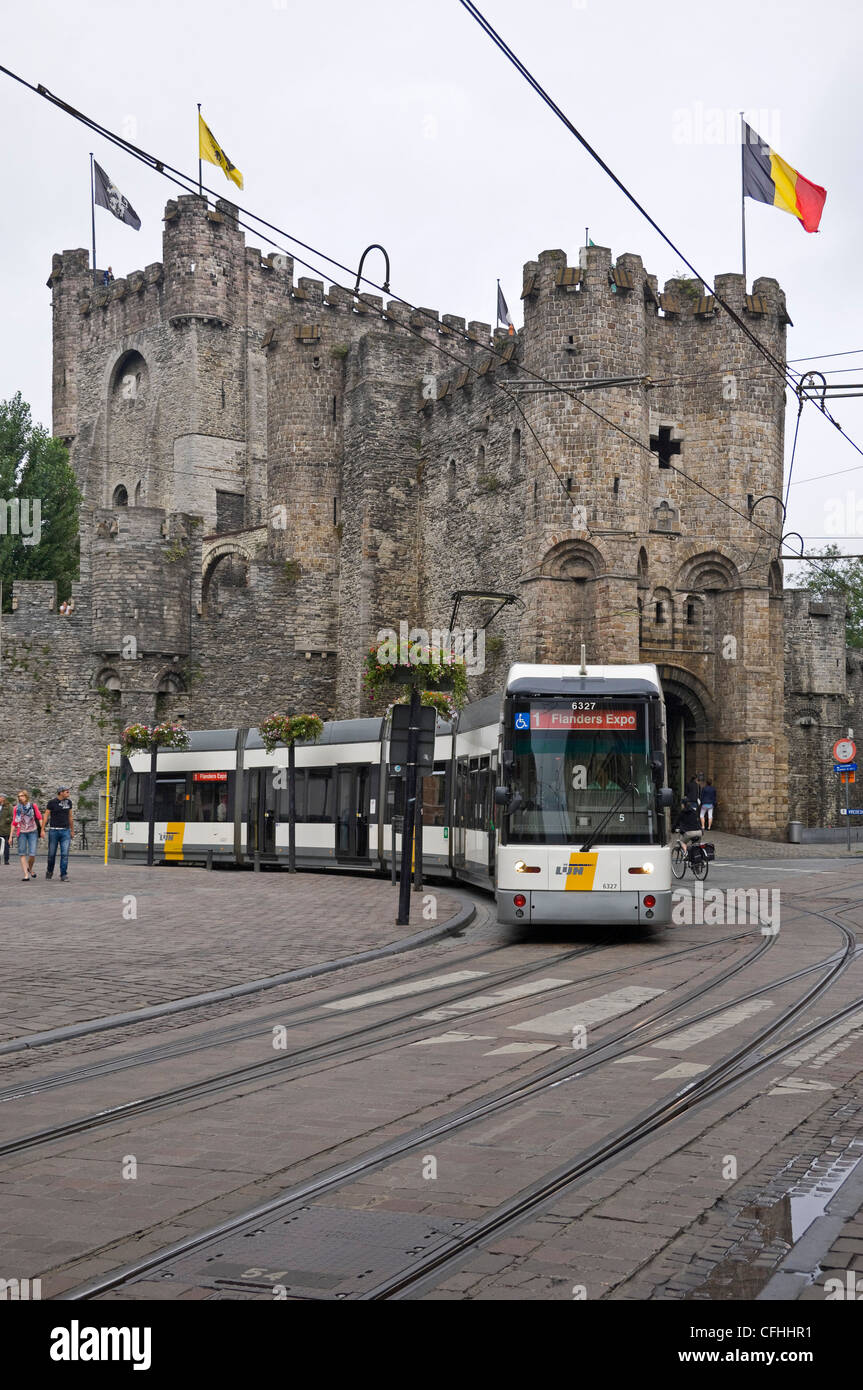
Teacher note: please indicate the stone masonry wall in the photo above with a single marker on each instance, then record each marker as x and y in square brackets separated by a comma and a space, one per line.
[382, 458]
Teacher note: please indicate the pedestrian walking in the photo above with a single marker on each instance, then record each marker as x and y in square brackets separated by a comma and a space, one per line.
[27, 826]
[61, 827]
[708, 804]
[5, 826]
[692, 790]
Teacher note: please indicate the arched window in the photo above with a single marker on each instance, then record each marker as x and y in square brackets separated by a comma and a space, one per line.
[129, 379]
[138, 493]
[121, 497]
[170, 684]
[108, 680]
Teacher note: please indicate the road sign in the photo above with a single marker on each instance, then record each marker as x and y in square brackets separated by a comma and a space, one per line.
[847, 777]
[844, 750]
[843, 812]
[844, 767]
[399, 736]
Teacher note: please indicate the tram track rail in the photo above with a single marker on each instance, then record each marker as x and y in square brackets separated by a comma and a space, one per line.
[550, 1077]
[355, 1041]
[722, 1076]
[718, 1080]
[306, 1011]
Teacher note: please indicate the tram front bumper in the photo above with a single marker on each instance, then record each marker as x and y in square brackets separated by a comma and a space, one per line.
[601, 909]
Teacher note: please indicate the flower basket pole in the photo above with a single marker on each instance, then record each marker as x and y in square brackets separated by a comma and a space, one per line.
[404, 911]
[142, 739]
[287, 729]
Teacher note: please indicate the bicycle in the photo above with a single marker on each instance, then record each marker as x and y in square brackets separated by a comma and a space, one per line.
[695, 854]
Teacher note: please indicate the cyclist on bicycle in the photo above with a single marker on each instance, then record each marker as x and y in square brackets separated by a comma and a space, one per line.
[688, 825]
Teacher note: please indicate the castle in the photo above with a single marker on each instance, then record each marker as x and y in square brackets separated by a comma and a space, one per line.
[273, 471]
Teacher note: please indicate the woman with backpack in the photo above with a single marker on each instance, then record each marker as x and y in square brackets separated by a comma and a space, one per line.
[27, 825]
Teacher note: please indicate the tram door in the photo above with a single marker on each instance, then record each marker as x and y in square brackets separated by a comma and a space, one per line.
[262, 811]
[352, 811]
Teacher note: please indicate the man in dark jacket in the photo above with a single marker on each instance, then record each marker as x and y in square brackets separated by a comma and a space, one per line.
[688, 826]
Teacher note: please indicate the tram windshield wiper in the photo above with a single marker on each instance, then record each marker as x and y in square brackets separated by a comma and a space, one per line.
[630, 787]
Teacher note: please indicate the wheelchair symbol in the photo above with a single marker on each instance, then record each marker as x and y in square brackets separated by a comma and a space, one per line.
[522, 721]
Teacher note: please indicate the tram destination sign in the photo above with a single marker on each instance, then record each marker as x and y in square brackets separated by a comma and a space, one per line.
[566, 720]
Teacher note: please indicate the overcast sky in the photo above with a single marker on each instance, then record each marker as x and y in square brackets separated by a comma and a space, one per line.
[398, 121]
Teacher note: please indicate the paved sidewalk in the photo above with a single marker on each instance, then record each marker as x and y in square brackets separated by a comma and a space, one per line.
[730, 847]
[123, 937]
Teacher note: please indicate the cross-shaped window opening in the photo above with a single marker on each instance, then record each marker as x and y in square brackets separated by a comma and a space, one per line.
[663, 445]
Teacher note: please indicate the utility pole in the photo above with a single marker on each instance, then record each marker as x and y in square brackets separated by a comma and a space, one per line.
[151, 827]
[403, 917]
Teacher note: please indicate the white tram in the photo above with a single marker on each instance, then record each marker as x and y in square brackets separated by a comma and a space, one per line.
[551, 796]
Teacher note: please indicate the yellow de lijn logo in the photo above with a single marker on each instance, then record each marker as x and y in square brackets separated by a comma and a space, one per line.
[580, 873]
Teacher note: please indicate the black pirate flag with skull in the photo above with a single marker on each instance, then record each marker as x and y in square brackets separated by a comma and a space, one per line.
[109, 196]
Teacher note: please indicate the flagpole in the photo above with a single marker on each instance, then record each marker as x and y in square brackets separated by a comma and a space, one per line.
[93, 213]
[742, 194]
[497, 307]
[200, 174]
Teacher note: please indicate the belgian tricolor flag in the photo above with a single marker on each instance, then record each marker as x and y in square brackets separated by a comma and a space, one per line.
[768, 179]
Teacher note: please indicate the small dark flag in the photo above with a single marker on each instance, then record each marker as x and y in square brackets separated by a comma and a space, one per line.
[503, 315]
[109, 196]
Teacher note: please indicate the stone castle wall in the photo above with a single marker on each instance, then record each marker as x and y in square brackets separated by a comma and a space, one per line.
[299, 468]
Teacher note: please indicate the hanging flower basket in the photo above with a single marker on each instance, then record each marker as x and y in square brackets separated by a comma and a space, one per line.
[433, 675]
[139, 738]
[290, 728]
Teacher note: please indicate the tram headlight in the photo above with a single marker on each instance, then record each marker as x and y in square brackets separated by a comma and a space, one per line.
[641, 869]
[522, 868]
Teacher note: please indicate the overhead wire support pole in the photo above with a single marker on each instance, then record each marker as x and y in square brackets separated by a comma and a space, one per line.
[200, 162]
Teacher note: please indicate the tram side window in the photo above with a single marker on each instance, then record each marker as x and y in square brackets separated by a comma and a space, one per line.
[299, 798]
[319, 795]
[434, 794]
[477, 801]
[136, 796]
[170, 798]
[313, 792]
[211, 800]
[395, 798]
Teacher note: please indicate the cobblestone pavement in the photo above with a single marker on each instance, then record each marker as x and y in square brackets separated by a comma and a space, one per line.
[732, 847]
[122, 937]
[705, 1208]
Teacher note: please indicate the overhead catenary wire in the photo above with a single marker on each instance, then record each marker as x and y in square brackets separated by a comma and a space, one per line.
[533, 82]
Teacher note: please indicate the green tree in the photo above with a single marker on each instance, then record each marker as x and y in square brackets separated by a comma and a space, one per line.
[35, 474]
[842, 575]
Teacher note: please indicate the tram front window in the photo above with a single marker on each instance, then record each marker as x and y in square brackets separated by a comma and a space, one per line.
[575, 760]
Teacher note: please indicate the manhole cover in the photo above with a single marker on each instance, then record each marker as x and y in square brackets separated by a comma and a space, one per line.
[316, 1252]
